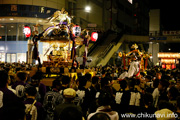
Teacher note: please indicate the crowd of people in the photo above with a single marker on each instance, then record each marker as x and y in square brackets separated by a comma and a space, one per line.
[153, 94]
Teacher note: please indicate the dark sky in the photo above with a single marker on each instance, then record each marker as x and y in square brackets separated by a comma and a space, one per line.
[170, 20]
[170, 13]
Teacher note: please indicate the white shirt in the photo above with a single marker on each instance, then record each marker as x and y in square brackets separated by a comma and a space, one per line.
[155, 95]
[133, 70]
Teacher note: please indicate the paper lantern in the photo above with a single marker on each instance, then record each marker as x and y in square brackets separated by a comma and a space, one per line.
[94, 36]
[27, 31]
[76, 31]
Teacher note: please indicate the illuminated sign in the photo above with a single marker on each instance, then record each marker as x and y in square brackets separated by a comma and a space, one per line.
[168, 61]
[94, 36]
[168, 55]
[27, 31]
[76, 31]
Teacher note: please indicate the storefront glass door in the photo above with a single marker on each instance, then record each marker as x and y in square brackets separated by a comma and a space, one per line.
[11, 58]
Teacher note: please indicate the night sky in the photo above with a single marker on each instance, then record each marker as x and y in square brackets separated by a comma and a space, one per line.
[170, 20]
[170, 13]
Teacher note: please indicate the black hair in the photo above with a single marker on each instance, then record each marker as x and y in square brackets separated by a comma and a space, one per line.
[149, 77]
[105, 81]
[142, 73]
[65, 79]
[88, 76]
[103, 72]
[123, 84]
[148, 99]
[38, 76]
[3, 78]
[22, 76]
[82, 81]
[71, 113]
[95, 80]
[104, 98]
[132, 83]
[100, 116]
[31, 91]
[164, 83]
[155, 83]
[174, 92]
[178, 102]
[55, 83]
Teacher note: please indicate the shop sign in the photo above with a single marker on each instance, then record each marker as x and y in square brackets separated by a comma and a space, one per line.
[171, 32]
[94, 36]
[27, 31]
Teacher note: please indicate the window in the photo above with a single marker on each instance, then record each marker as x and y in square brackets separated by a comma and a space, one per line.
[2, 57]
[11, 32]
[21, 57]
[2, 32]
[21, 35]
[11, 58]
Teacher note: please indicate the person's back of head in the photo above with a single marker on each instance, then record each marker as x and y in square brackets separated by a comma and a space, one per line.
[71, 113]
[123, 84]
[104, 99]
[95, 80]
[3, 78]
[131, 83]
[105, 81]
[155, 83]
[22, 76]
[82, 81]
[88, 76]
[148, 78]
[148, 99]
[56, 83]
[65, 79]
[178, 102]
[173, 93]
[163, 84]
[100, 116]
[37, 76]
[31, 91]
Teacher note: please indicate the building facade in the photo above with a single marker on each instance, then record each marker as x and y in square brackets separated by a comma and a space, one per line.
[15, 14]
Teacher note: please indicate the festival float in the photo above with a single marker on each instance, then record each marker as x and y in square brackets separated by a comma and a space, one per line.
[143, 57]
[62, 40]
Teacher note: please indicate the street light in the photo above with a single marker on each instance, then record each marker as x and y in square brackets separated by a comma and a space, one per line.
[87, 9]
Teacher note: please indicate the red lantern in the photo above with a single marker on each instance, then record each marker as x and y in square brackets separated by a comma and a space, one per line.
[94, 36]
[173, 66]
[27, 31]
[163, 66]
[76, 31]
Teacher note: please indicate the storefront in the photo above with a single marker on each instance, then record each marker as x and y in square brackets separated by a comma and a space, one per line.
[169, 60]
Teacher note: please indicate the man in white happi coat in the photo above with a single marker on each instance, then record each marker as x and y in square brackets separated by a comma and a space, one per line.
[134, 69]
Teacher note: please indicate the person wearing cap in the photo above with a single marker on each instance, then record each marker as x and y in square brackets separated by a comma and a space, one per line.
[69, 94]
[165, 111]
